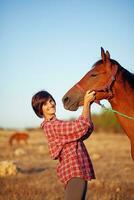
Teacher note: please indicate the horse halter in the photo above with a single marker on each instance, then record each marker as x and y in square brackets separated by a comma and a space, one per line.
[105, 88]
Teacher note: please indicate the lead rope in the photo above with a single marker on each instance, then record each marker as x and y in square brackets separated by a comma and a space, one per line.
[115, 111]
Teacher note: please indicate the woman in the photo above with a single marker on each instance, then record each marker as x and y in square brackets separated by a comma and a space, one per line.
[65, 142]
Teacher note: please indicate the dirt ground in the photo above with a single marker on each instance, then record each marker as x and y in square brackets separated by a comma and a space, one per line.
[36, 178]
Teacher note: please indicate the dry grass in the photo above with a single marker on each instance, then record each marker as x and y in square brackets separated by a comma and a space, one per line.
[37, 180]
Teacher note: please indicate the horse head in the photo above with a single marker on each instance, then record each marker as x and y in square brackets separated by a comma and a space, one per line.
[100, 78]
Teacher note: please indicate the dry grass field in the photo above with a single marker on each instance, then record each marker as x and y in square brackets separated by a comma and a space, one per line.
[36, 178]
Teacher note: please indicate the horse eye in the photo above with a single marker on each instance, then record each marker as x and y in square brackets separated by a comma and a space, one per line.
[94, 75]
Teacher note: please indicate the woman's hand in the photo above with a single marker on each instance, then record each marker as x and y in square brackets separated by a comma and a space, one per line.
[89, 97]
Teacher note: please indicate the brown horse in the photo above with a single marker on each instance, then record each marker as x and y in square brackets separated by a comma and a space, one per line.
[112, 82]
[18, 137]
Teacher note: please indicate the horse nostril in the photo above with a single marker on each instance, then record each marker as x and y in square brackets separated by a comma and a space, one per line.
[65, 100]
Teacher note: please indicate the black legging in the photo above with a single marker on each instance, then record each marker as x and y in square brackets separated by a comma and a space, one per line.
[76, 189]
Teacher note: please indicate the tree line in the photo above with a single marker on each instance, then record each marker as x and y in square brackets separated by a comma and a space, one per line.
[106, 121]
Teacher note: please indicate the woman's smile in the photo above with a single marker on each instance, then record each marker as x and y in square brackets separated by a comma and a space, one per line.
[49, 108]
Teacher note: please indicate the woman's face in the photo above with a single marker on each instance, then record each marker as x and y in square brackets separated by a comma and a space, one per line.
[49, 108]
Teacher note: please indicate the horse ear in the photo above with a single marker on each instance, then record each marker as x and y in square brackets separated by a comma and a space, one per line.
[107, 55]
[103, 55]
[108, 62]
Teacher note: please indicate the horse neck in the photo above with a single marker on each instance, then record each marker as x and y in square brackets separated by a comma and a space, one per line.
[123, 93]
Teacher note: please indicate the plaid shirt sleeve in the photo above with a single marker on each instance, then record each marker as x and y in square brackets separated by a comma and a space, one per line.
[68, 131]
[88, 133]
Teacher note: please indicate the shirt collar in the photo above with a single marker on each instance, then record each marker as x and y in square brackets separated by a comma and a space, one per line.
[47, 121]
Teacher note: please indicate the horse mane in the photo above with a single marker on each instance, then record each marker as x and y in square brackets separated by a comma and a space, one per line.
[126, 75]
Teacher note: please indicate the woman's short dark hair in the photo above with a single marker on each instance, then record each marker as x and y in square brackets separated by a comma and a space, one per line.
[38, 100]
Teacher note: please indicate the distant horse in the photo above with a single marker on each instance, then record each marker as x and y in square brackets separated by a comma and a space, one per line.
[18, 137]
[112, 82]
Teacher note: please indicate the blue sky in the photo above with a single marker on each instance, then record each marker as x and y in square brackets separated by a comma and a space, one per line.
[51, 44]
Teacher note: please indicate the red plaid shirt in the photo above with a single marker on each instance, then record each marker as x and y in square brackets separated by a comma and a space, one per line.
[65, 142]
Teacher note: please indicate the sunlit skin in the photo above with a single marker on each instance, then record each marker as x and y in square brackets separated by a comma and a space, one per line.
[49, 109]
